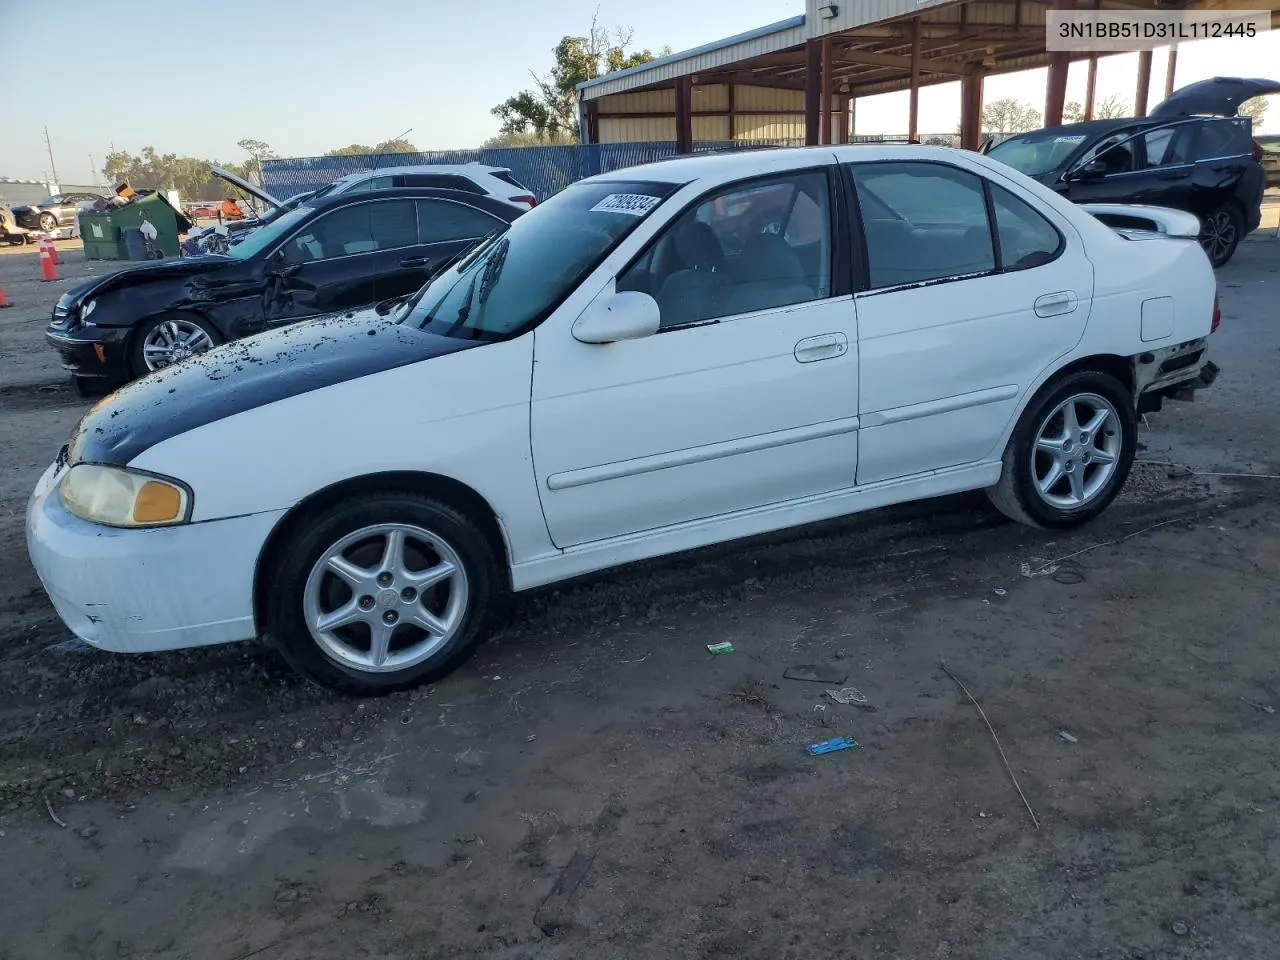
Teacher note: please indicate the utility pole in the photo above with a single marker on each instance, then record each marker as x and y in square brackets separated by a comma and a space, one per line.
[52, 166]
[93, 171]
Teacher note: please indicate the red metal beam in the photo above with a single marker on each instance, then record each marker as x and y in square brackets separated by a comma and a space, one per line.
[913, 105]
[1144, 84]
[824, 83]
[1090, 86]
[684, 118]
[1055, 94]
[812, 90]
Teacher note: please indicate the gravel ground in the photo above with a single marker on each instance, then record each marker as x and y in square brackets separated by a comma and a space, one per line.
[595, 783]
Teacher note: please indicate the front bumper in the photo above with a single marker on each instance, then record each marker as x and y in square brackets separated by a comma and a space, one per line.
[89, 351]
[141, 591]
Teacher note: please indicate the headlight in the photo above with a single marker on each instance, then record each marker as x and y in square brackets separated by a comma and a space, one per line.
[86, 308]
[118, 497]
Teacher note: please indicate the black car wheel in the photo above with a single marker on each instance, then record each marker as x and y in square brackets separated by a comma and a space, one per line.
[382, 592]
[48, 222]
[168, 338]
[1070, 453]
[1220, 234]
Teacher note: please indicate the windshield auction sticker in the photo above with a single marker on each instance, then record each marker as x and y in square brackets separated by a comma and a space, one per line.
[635, 204]
[1113, 31]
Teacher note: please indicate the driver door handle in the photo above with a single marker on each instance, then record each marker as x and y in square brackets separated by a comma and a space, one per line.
[415, 262]
[822, 347]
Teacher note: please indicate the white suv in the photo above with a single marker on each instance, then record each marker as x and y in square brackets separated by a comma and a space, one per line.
[496, 182]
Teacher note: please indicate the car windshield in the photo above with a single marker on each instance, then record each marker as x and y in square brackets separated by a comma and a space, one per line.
[51, 201]
[1039, 153]
[260, 238]
[514, 280]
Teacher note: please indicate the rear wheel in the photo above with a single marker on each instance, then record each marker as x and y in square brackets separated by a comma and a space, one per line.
[1070, 453]
[1220, 234]
[382, 593]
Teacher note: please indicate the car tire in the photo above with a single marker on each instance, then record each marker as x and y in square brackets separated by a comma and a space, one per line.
[1221, 233]
[153, 331]
[1056, 478]
[336, 582]
[48, 222]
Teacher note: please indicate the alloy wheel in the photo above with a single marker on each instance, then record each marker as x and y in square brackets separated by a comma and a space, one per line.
[1076, 451]
[1218, 235]
[174, 340]
[386, 597]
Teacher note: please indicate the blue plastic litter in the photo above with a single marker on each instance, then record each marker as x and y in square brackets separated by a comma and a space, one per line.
[831, 746]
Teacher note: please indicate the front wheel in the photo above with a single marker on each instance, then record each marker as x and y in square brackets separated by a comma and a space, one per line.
[48, 222]
[164, 340]
[1070, 453]
[1220, 234]
[383, 592]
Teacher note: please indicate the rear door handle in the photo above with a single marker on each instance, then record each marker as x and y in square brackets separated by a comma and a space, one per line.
[822, 347]
[415, 262]
[1055, 304]
[1174, 176]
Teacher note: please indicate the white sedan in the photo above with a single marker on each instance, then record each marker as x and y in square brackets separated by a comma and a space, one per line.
[653, 360]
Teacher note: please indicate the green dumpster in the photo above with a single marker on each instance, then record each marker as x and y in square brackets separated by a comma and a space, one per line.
[102, 231]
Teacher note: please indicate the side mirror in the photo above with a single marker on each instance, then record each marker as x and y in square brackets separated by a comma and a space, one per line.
[629, 315]
[1093, 170]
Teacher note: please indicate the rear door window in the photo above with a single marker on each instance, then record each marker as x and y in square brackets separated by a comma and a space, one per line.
[442, 221]
[1221, 138]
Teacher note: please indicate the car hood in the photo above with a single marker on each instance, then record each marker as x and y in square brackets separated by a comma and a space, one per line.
[250, 188]
[147, 270]
[247, 374]
[1218, 97]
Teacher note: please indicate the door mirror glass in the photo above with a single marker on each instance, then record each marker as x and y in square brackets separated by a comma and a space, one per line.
[630, 315]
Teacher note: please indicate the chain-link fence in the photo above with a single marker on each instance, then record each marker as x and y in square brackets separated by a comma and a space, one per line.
[544, 170]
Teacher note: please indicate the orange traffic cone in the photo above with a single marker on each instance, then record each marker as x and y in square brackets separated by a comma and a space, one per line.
[4, 301]
[47, 270]
[53, 252]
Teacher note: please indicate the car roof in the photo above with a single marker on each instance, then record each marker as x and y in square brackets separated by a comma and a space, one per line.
[462, 169]
[481, 201]
[1090, 128]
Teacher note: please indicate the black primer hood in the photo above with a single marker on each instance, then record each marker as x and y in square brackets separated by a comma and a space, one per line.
[245, 374]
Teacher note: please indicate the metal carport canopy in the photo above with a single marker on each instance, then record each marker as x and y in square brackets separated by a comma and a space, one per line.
[871, 47]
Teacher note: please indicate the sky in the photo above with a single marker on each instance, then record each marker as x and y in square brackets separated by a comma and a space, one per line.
[308, 75]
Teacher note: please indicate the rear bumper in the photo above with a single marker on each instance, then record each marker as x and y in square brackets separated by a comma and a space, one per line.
[1175, 373]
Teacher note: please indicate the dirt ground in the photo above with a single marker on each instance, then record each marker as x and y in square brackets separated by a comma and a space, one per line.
[595, 783]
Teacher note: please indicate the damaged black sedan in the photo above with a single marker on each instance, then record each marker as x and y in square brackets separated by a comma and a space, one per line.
[326, 256]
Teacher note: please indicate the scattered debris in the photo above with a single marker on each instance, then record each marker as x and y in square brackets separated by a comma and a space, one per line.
[1067, 737]
[1265, 708]
[815, 673]
[1044, 570]
[1000, 591]
[1180, 929]
[530, 738]
[1051, 566]
[718, 648]
[850, 696]
[1005, 760]
[830, 746]
[53, 816]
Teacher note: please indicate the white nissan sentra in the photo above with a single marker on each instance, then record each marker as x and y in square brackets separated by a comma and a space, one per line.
[652, 360]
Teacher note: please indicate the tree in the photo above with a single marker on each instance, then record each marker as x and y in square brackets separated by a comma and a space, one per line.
[350, 150]
[1003, 117]
[258, 151]
[1111, 107]
[1108, 108]
[150, 170]
[1255, 108]
[528, 139]
[398, 145]
[550, 110]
